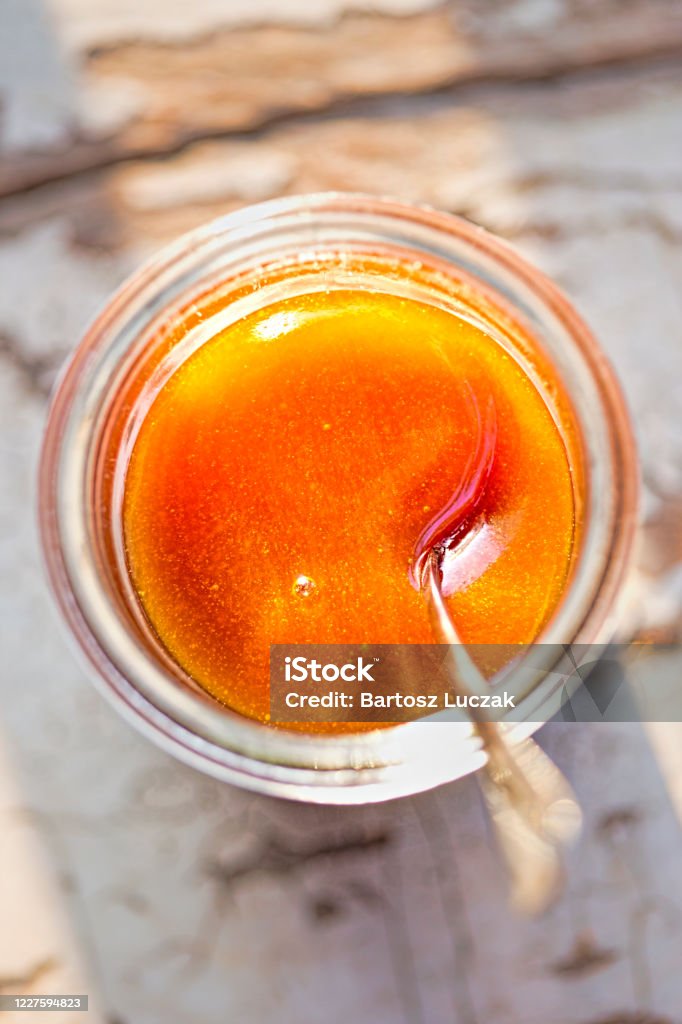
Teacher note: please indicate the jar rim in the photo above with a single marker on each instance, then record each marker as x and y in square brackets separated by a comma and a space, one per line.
[342, 768]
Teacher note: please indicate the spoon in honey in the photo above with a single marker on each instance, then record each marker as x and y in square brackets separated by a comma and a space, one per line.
[531, 805]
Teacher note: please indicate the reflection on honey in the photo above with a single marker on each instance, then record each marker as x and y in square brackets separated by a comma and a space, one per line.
[289, 473]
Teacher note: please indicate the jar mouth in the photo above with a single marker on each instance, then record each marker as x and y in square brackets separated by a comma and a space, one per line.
[332, 768]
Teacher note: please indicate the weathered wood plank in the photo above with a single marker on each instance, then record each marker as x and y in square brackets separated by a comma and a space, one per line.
[144, 97]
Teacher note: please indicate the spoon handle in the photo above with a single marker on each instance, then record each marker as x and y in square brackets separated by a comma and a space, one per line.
[531, 805]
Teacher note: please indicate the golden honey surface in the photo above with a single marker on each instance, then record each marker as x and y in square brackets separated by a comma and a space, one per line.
[289, 472]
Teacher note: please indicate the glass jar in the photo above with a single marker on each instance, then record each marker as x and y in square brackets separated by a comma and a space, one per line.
[162, 313]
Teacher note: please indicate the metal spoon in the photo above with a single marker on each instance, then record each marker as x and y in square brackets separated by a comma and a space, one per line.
[531, 805]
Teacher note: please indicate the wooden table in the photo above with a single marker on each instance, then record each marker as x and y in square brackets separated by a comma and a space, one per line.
[171, 898]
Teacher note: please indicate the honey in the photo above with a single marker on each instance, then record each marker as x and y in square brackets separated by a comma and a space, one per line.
[289, 474]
